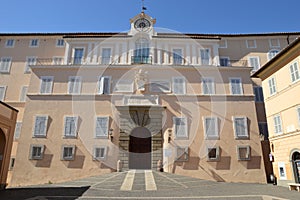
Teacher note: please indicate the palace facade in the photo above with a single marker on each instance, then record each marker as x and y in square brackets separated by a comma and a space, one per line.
[92, 103]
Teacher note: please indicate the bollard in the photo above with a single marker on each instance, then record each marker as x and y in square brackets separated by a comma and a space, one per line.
[119, 166]
[160, 166]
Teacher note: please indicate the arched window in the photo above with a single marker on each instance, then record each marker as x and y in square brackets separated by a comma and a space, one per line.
[296, 166]
[272, 54]
[142, 52]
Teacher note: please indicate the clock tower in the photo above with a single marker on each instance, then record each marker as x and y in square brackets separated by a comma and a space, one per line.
[142, 23]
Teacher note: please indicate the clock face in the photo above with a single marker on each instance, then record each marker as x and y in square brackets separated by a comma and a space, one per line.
[142, 24]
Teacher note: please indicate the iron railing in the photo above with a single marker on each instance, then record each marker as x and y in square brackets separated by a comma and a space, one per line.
[141, 60]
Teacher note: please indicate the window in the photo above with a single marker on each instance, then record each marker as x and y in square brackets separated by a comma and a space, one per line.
[106, 56]
[294, 72]
[101, 127]
[272, 54]
[58, 61]
[29, 61]
[142, 52]
[70, 127]
[34, 43]
[36, 152]
[213, 153]
[208, 86]
[254, 63]
[298, 113]
[46, 84]
[177, 57]
[180, 127]
[240, 127]
[10, 43]
[40, 126]
[224, 61]
[272, 86]
[5, 65]
[236, 86]
[78, 56]
[100, 153]
[179, 85]
[282, 171]
[243, 152]
[205, 56]
[104, 85]
[2, 92]
[160, 86]
[211, 127]
[23, 94]
[182, 154]
[258, 92]
[124, 86]
[251, 43]
[263, 129]
[68, 152]
[277, 124]
[74, 85]
[274, 43]
[17, 130]
[60, 43]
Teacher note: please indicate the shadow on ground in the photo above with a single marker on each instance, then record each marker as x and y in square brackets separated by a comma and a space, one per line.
[65, 193]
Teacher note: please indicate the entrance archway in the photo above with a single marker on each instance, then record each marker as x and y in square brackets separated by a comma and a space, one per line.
[296, 166]
[2, 148]
[140, 149]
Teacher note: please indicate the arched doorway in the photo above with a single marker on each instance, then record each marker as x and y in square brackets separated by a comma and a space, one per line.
[140, 149]
[2, 148]
[296, 166]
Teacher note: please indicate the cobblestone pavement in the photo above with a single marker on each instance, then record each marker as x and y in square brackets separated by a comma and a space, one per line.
[149, 185]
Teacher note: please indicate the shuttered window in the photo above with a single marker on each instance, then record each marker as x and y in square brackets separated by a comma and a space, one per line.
[179, 85]
[70, 126]
[104, 85]
[46, 84]
[40, 126]
[101, 127]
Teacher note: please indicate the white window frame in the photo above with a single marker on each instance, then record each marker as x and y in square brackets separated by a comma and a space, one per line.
[8, 43]
[79, 84]
[177, 56]
[272, 54]
[183, 85]
[186, 134]
[17, 132]
[217, 158]
[248, 45]
[69, 158]
[240, 85]
[271, 43]
[294, 72]
[32, 41]
[74, 62]
[225, 58]
[36, 157]
[248, 157]
[258, 94]
[2, 96]
[100, 84]
[46, 87]
[216, 134]
[245, 121]
[23, 94]
[159, 83]
[129, 83]
[105, 134]
[37, 132]
[99, 158]
[257, 60]
[182, 154]
[211, 81]
[7, 64]
[277, 121]
[282, 176]
[209, 56]
[272, 86]
[71, 135]
[27, 64]
[58, 43]
[105, 58]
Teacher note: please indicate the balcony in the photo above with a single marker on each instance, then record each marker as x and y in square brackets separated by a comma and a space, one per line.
[141, 60]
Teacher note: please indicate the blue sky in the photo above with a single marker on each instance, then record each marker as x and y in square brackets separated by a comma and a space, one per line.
[186, 16]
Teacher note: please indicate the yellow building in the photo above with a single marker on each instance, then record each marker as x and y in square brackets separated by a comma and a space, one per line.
[280, 81]
[90, 101]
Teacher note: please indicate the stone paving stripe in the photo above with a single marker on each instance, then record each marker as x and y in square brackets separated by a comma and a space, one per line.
[149, 181]
[128, 181]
